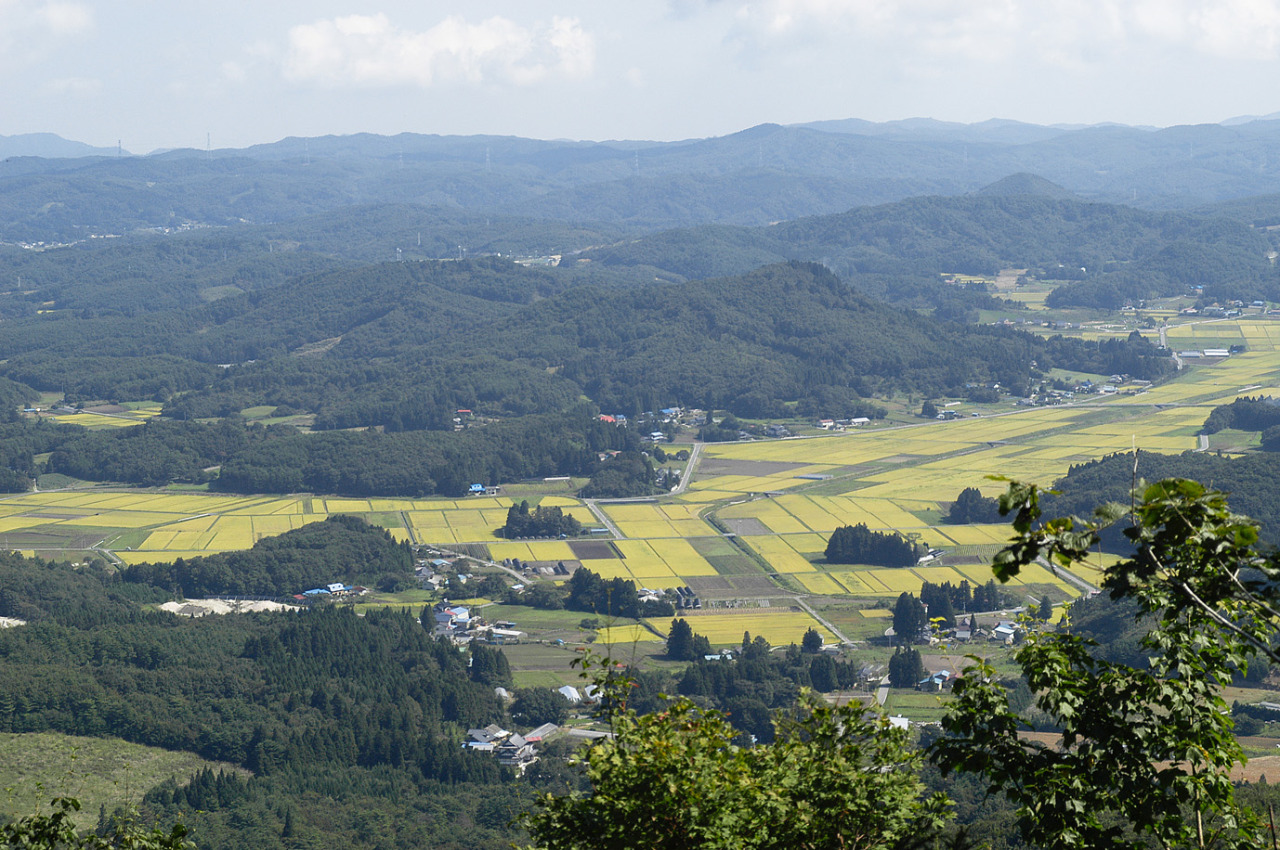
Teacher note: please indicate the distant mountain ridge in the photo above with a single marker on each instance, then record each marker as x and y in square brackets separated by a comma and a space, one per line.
[49, 146]
[1026, 184]
[758, 176]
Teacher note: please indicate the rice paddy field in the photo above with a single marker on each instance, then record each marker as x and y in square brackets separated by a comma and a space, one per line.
[648, 520]
[106, 416]
[779, 626]
[753, 523]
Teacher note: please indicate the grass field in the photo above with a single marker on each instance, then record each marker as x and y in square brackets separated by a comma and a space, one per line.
[922, 708]
[36, 766]
[550, 666]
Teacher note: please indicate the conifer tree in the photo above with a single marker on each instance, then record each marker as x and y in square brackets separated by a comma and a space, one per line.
[909, 620]
[680, 641]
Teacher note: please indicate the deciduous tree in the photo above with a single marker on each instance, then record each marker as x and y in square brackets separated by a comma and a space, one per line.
[1145, 752]
[675, 779]
[56, 831]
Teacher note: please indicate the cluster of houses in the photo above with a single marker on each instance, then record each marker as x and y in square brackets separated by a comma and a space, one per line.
[1196, 354]
[508, 748]
[842, 424]
[542, 568]
[520, 751]
[966, 629]
[460, 626]
[335, 590]
[970, 628]
[680, 416]
[431, 565]
[680, 597]
[695, 418]
[1115, 384]
[1219, 311]
[430, 572]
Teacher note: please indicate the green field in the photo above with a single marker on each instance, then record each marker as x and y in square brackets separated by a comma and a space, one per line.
[922, 708]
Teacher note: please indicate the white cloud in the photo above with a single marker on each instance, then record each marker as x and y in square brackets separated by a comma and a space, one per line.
[233, 71]
[368, 50]
[65, 18]
[1064, 31]
[80, 86]
[28, 28]
[1239, 27]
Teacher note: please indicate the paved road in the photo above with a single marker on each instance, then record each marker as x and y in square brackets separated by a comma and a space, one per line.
[1069, 576]
[688, 469]
[523, 579]
[408, 527]
[815, 615]
[604, 518]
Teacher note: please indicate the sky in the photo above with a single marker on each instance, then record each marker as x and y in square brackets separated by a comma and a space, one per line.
[155, 74]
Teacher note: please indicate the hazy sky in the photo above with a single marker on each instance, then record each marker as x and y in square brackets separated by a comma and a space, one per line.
[164, 73]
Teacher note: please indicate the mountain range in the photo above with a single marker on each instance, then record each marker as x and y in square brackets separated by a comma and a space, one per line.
[757, 176]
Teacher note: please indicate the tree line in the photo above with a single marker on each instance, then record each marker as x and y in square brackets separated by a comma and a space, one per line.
[857, 544]
[542, 521]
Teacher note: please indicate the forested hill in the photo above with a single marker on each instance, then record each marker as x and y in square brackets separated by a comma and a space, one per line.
[1248, 480]
[755, 176]
[781, 333]
[401, 347]
[1106, 255]
[150, 272]
[342, 548]
[1111, 254]
[350, 725]
[403, 344]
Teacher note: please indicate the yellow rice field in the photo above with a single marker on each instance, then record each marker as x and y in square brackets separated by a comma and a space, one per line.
[779, 555]
[779, 626]
[625, 634]
[651, 520]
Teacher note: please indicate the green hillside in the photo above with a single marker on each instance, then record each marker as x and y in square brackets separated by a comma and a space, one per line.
[99, 772]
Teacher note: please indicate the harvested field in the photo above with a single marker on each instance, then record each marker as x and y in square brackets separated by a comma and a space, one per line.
[746, 526]
[1258, 767]
[1268, 766]
[714, 585]
[593, 550]
[757, 584]
[710, 466]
